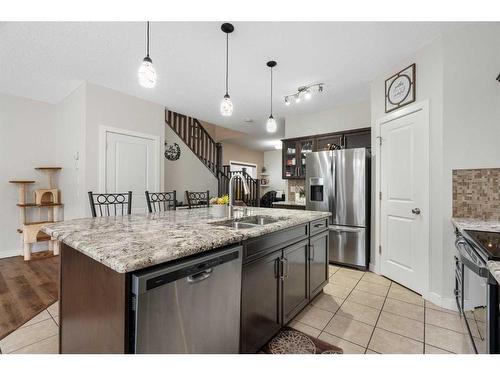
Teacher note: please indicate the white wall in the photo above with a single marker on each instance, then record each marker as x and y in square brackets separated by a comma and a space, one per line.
[456, 73]
[471, 111]
[188, 172]
[106, 107]
[351, 116]
[35, 134]
[429, 73]
[273, 163]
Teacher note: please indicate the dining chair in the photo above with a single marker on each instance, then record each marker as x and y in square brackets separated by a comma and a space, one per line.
[164, 201]
[110, 204]
[197, 199]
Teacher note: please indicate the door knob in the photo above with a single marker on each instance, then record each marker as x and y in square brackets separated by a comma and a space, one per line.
[416, 211]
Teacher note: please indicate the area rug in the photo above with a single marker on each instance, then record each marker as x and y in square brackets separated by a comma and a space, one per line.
[291, 341]
[26, 289]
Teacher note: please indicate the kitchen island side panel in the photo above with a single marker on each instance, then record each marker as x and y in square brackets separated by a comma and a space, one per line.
[94, 308]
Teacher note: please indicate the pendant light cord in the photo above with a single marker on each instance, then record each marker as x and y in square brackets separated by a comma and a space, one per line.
[147, 41]
[271, 91]
[227, 61]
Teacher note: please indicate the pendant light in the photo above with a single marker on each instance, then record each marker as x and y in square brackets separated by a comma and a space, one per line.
[226, 105]
[271, 125]
[147, 72]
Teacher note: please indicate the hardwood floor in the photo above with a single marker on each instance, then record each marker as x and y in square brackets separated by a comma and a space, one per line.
[26, 288]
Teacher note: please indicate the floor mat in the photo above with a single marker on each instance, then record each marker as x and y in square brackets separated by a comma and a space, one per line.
[291, 341]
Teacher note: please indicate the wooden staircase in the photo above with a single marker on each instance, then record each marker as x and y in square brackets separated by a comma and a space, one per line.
[195, 136]
[197, 139]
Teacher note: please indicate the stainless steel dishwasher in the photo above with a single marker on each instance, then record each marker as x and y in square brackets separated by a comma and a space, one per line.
[189, 307]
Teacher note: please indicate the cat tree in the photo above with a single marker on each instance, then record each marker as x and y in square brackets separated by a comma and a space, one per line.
[47, 200]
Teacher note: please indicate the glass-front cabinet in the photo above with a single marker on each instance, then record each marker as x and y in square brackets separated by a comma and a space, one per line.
[290, 159]
[305, 147]
[295, 150]
[294, 157]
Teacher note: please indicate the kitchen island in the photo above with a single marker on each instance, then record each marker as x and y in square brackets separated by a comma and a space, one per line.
[284, 264]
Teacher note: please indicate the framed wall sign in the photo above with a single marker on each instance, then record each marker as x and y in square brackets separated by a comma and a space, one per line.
[400, 89]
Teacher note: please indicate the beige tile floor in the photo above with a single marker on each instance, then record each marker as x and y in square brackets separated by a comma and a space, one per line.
[360, 312]
[40, 335]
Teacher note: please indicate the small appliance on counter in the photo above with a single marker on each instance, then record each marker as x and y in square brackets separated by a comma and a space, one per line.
[338, 181]
[476, 290]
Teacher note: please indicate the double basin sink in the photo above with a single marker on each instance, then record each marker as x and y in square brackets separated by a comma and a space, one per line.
[247, 222]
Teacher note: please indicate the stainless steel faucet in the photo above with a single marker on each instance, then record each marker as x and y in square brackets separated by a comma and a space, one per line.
[231, 198]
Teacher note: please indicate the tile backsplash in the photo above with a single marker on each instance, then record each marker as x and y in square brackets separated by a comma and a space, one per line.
[476, 193]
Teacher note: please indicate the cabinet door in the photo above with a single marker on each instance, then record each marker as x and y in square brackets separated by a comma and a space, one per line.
[294, 276]
[260, 297]
[304, 147]
[318, 263]
[355, 140]
[326, 142]
[290, 159]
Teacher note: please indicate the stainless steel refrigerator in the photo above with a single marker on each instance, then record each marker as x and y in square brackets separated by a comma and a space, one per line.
[339, 182]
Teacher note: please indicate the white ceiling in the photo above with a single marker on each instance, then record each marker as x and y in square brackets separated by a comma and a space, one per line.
[47, 60]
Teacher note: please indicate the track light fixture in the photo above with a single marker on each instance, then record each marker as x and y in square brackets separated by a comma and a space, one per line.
[303, 92]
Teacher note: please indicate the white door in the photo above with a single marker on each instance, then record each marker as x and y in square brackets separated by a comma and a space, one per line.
[404, 183]
[131, 164]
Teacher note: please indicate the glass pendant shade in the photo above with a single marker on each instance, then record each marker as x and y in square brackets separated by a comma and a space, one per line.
[226, 106]
[147, 73]
[271, 125]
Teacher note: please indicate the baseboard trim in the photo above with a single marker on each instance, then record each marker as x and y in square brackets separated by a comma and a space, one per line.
[14, 253]
[444, 302]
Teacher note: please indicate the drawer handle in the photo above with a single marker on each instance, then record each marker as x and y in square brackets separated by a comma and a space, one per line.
[319, 225]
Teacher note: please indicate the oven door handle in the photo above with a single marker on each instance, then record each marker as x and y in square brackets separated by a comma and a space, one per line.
[461, 244]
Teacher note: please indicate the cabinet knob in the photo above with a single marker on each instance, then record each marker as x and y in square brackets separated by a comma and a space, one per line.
[416, 211]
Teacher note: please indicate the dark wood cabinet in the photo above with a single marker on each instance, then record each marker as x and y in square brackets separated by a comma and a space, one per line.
[294, 150]
[318, 263]
[295, 283]
[294, 157]
[324, 143]
[279, 281]
[260, 307]
[357, 139]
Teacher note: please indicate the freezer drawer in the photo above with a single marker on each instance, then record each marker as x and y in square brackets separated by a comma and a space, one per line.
[192, 307]
[348, 246]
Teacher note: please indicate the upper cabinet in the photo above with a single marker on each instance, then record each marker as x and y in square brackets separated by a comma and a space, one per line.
[294, 157]
[295, 150]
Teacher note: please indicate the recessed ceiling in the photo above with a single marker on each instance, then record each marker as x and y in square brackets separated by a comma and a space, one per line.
[47, 60]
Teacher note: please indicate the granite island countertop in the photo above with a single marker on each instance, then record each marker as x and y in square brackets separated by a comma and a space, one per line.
[289, 203]
[133, 242]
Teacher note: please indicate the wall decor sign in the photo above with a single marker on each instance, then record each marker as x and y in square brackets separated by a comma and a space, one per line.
[172, 152]
[400, 89]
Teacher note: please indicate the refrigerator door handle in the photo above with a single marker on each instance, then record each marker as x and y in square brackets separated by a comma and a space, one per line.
[337, 228]
[332, 196]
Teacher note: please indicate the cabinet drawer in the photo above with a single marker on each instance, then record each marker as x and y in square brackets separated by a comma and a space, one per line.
[319, 226]
[255, 248]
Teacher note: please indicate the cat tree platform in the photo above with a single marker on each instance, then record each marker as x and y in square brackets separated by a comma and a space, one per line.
[47, 199]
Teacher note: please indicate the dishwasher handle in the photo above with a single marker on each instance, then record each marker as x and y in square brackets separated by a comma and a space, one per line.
[198, 277]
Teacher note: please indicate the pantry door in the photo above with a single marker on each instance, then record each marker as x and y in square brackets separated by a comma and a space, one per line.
[132, 163]
[404, 197]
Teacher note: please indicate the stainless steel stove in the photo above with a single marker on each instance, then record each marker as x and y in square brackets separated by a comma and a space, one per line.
[476, 291]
